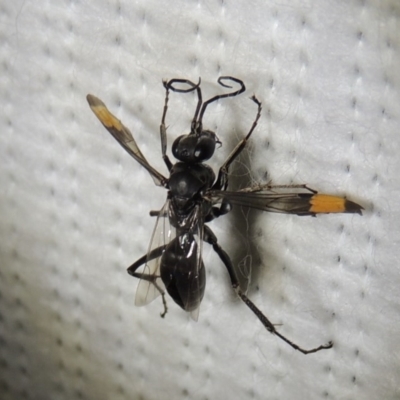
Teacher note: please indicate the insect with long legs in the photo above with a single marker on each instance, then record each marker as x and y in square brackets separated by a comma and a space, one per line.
[196, 196]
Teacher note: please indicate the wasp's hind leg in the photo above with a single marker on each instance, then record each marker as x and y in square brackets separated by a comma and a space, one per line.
[210, 238]
[148, 277]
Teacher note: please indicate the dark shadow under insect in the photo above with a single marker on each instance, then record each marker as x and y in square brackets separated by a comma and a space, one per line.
[196, 196]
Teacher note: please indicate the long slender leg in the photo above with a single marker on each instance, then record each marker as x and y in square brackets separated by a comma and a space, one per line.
[163, 130]
[210, 238]
[150, 278]
[222, 181]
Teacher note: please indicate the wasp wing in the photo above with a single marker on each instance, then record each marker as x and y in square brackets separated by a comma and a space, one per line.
[123, 135]
[174, 263]
[199, 283]
[284, 199]
[193, 291]
[182, 269]
[150, 285]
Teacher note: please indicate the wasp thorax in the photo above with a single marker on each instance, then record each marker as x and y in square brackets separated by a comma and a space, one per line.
[194, 147]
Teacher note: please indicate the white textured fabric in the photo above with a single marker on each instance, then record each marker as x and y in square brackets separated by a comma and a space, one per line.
[74, 206]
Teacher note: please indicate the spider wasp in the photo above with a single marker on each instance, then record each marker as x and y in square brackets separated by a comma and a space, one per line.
[196, 196]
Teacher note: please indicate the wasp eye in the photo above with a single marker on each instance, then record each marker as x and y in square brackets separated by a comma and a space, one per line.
[194, 148]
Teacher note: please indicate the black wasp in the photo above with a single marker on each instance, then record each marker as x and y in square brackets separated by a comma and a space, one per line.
[196, 196]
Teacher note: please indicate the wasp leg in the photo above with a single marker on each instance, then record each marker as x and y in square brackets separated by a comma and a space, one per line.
[222, 181]
[210, 238]
[216, 212]
[150, 278]
[163, 130]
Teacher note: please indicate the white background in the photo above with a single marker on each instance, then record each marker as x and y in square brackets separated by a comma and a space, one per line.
[74, 206]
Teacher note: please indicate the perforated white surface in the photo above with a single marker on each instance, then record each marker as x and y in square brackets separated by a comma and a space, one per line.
[74, 205]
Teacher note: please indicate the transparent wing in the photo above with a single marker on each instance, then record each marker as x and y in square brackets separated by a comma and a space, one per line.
[197, 282]
[182, 268]
[124, 137]
[163, 234]
[200, 270]
[283, 199]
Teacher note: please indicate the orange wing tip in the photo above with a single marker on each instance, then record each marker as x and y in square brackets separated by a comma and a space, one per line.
[102, 113]
[323, 203]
